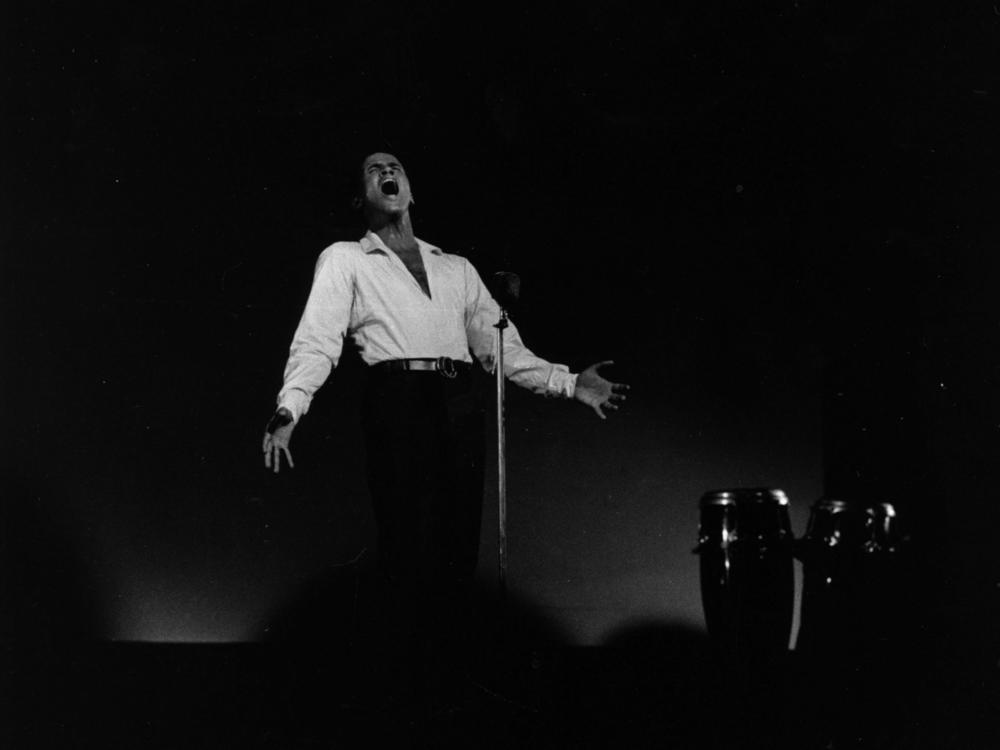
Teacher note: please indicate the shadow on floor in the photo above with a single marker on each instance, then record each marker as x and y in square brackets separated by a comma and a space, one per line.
[330, 671]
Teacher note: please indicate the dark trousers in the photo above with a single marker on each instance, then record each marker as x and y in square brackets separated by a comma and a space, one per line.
[425, 450]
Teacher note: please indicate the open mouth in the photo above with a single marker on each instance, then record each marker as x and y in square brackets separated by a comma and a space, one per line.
[390, 187]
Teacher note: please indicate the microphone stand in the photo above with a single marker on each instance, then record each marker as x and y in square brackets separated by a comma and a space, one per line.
[501, 325]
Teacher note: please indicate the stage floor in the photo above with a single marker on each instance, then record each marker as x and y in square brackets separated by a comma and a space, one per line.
[667, 691]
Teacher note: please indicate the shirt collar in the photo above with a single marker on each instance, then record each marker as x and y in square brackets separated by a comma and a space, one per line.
[372, 243]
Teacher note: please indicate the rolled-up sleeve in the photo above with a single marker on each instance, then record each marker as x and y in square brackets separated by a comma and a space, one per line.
[520, 364]
[319, 337]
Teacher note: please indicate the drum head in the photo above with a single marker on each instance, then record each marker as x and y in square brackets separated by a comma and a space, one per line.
[744, 495]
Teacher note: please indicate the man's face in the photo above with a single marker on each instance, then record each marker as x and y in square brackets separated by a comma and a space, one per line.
[385, 186]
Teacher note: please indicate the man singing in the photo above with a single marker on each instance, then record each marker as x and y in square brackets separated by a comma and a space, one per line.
[416, 313]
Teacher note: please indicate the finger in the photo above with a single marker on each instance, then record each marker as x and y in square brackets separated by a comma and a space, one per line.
[612, 406]
[267, 457]
[619, 387]
[288, 455]
[277, 459]
[266, 441]
[603, 364]
[597, 408]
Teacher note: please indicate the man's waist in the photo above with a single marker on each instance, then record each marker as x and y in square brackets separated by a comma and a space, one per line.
[445, 366]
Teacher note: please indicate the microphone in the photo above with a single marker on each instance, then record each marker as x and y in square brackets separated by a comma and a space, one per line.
[506, 288]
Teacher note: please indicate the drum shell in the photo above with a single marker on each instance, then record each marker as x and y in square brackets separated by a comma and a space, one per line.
[746, 570]
[831, 553]
[851, 605]
[848, 556]
[881, 594]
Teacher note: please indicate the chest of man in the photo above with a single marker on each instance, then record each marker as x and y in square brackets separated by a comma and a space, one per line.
[425, 288]
[415, 265]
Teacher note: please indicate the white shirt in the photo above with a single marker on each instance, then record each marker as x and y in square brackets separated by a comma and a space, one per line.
[363, 289]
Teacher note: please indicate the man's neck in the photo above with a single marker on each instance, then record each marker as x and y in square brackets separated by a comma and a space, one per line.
[395, 231]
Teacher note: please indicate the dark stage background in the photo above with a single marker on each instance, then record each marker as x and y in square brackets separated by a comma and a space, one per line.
[777, 218]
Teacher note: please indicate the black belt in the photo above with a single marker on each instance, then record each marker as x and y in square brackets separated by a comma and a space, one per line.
[447, 366]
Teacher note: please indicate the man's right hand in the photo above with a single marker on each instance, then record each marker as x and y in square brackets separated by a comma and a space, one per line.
[276, 443]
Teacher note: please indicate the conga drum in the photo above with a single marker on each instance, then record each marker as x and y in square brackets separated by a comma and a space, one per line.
[747, 575]
[879, 600]
[831, 559]
[882, 535]
[849, 595]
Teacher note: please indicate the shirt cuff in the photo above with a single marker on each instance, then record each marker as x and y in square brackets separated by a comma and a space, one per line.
[562, 382]
[295, 401]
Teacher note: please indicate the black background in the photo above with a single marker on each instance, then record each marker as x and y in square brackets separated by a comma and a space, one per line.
[778, 218]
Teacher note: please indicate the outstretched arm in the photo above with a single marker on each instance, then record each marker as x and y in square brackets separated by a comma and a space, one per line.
[521, 365]
[319, 337]
[314, 352]
[598, 393]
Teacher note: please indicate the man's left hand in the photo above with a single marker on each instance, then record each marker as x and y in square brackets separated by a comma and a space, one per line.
[598, 393]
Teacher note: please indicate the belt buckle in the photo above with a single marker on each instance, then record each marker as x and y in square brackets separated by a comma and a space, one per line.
[446, 366]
